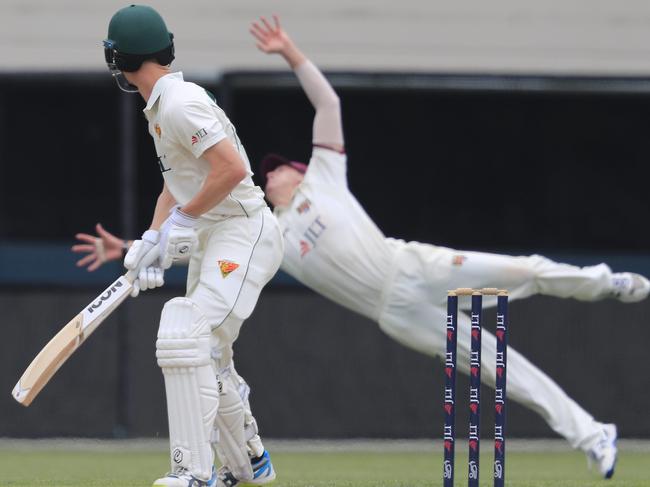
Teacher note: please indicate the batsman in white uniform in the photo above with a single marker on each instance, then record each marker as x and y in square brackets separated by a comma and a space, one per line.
[210, 210]
[333, 247]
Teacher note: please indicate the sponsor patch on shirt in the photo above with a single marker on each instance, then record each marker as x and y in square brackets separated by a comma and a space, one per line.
[311, 235]
[303, 207]
[226, 267]
[304, 248]
[198, 136]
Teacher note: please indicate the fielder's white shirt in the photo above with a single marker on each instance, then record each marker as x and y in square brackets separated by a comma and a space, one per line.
[184, 122]
[330, 244]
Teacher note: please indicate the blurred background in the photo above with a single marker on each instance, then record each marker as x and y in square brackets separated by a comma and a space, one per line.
[528, 119]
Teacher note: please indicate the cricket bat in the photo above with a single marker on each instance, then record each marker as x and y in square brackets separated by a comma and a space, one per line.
[68, 339]
[72, 335]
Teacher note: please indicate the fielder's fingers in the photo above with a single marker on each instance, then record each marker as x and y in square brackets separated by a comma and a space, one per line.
[86, 260]
[259, 31]
[84, 237]
[99, 250]
[257, 35]
[95, 265]
[83, 248]
[276, 19]
[101, 231]
[267, 24]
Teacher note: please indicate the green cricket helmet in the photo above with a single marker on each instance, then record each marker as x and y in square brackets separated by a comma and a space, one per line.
[136, 33]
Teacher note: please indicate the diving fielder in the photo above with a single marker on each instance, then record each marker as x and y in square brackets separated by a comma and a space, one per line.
[210, 210]
[334, 248]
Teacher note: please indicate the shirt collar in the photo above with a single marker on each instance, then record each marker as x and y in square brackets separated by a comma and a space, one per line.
[160, 86]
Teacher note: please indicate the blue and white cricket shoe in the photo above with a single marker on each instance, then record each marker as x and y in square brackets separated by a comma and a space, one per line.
[604, 452]
[183, 478]
[629, 287]
[263, 473]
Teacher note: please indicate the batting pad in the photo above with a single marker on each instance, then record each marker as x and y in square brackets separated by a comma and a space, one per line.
[183, 352]
[236, 427]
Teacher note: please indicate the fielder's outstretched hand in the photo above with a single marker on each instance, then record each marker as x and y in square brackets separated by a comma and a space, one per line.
[273, 39]
[270, 38]
[100, 248]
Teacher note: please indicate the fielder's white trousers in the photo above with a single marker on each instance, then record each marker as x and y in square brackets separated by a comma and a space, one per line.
[414, 313]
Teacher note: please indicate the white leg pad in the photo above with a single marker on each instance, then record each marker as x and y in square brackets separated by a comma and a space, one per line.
[183, 352]
[236, 436]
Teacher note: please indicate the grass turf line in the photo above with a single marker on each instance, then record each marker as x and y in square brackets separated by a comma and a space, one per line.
[346, 469]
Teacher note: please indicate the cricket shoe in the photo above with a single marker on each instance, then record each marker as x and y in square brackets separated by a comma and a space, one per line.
[183, 478]
[629, 287]
[604, 452]
[263, 473]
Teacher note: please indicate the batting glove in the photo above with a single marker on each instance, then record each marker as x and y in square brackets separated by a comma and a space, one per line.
[149, 277]
[140, 248]
[177, 237]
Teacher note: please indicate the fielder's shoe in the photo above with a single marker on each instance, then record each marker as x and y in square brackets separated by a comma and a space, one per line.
[604, 452]
[629, 287]
[263, 473]
[182, 478]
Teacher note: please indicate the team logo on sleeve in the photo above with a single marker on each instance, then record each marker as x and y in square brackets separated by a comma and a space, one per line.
[198, 136]
[158, 130]
[226, 267]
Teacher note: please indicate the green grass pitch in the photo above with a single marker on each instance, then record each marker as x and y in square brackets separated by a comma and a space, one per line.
[73, 468]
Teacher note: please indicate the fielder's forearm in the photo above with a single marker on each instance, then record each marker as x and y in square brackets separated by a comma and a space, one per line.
[328, 127]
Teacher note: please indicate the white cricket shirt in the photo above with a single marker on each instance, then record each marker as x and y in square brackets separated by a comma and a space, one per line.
[184, 121]
[330, 244]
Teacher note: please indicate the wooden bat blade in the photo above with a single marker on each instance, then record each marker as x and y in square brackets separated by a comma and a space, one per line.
[67, 340]
[47, 362]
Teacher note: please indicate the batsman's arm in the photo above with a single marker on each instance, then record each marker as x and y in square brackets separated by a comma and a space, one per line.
[328, 127]
[227, 170]
[164, 204]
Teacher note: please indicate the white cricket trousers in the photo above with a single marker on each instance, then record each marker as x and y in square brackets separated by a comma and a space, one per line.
[236, 258]
[414, 313]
